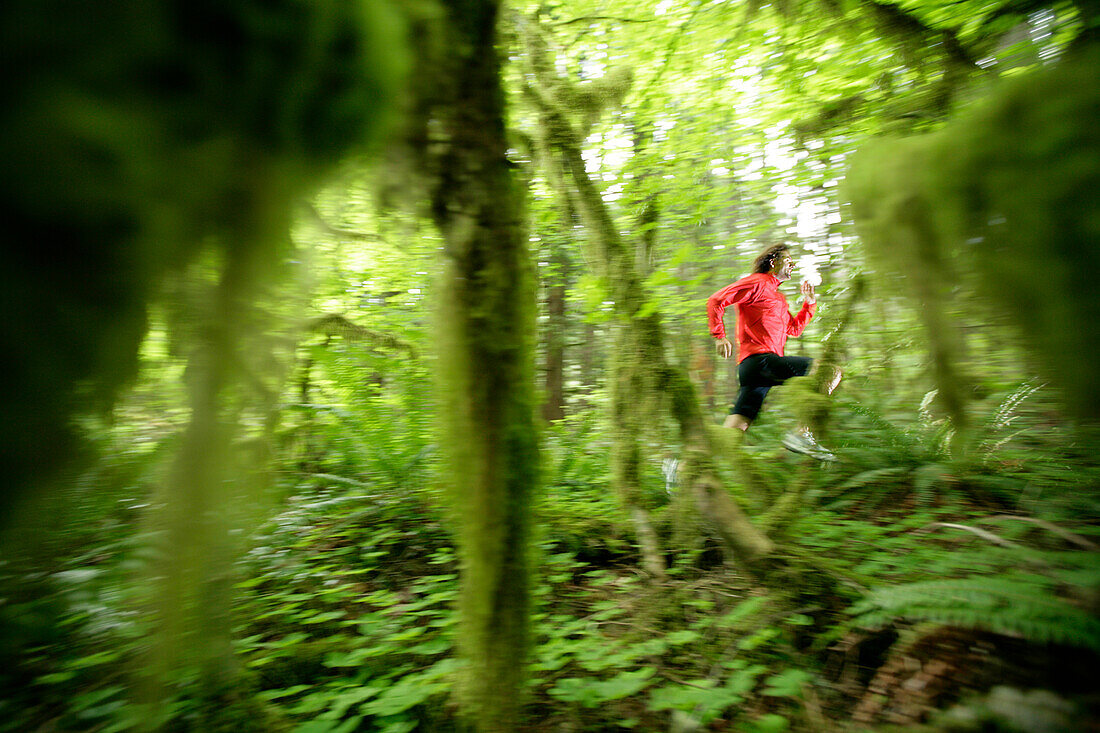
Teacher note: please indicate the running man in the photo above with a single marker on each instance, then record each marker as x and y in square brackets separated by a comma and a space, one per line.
[763, 324]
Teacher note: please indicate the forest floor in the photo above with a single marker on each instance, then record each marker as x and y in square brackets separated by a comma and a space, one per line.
[943, 606]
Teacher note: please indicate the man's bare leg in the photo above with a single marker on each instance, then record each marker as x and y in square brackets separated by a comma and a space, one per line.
[739, 422]
[833, 381]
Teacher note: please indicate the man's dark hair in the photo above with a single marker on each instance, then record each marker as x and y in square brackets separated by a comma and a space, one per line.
[766, 259]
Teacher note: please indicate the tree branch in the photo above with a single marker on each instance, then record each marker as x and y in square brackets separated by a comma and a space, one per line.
[905, 26]
[316, 218]
[593, 18]
[1065, 534]
[670, 50]
[334, 324]
[973, 530]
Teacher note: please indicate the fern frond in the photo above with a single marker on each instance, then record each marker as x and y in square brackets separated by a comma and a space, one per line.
[872, 477]
[1012, 607]
[1004, 413]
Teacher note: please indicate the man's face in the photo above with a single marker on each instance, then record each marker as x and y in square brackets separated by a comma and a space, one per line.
[783, 267]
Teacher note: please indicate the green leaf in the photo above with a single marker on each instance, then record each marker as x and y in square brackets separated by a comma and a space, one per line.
[770, 723]
[574, 689]
[700, 698]
[680, 697]
[354, 658]
[55, 678]
[741, 611]
[93, 660]
[284, 692]
[685, 636]
[349, 725]
[799, 619]
[787, 683]
[321, 617]
[432, 647]
[354, 696]
[312, 703]
[399, 725]
[399, 698]
[760, 637]
[317, 726]
[87, 700]
[624, 684]
[742, 681]
[591, 692]
[649, 648]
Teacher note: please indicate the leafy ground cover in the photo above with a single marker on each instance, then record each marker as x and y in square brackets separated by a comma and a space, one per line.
[937, 594]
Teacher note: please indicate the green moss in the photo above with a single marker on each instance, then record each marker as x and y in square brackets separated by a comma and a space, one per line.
[132, 134]
[486, 376]
[1015, 185]
[1006, 191]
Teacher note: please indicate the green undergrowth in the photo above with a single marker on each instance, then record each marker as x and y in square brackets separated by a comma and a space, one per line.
[344, 597]
[345, 621]
[960, 535]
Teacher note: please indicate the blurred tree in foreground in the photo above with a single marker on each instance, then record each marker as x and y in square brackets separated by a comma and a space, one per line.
[139, 140]
[1003, 192]
[485, 347]
[137, 137]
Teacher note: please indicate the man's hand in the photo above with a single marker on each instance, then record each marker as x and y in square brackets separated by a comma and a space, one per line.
[808, 291]
[725, 348]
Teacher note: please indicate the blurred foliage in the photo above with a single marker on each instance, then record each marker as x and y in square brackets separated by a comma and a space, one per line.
[137, 137]
[1004, 199]
[344, 608]
[738, 126]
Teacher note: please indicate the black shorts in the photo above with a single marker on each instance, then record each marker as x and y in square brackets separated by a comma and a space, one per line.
[759, 373]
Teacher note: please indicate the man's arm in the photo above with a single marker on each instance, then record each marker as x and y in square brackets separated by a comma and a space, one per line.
[736, 292]
[797, 324]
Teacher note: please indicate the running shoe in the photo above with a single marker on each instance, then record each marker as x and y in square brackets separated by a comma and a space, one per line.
[803, 442]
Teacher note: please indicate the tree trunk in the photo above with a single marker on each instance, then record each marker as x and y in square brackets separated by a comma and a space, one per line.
[556, 285]
[628, 407]
[554, 407]
[656, 379]
[626, 387]
[486, 368]
[205, 501]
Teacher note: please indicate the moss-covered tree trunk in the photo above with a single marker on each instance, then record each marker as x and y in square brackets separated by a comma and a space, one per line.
[486, 367]
[196, 571]
[626, 378]
[629, 400]
[212, 495]
[556, 285]
[813, 405]
[896, 220]
[642, 361]
[554, 377]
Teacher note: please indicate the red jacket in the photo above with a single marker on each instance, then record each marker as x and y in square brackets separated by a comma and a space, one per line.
[763, 318]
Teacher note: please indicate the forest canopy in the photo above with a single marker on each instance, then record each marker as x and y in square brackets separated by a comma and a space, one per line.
[360, 375]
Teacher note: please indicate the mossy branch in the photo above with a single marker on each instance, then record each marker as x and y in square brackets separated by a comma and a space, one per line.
[662, 381]
[334, 324]
[315, 216]
[910, 30]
